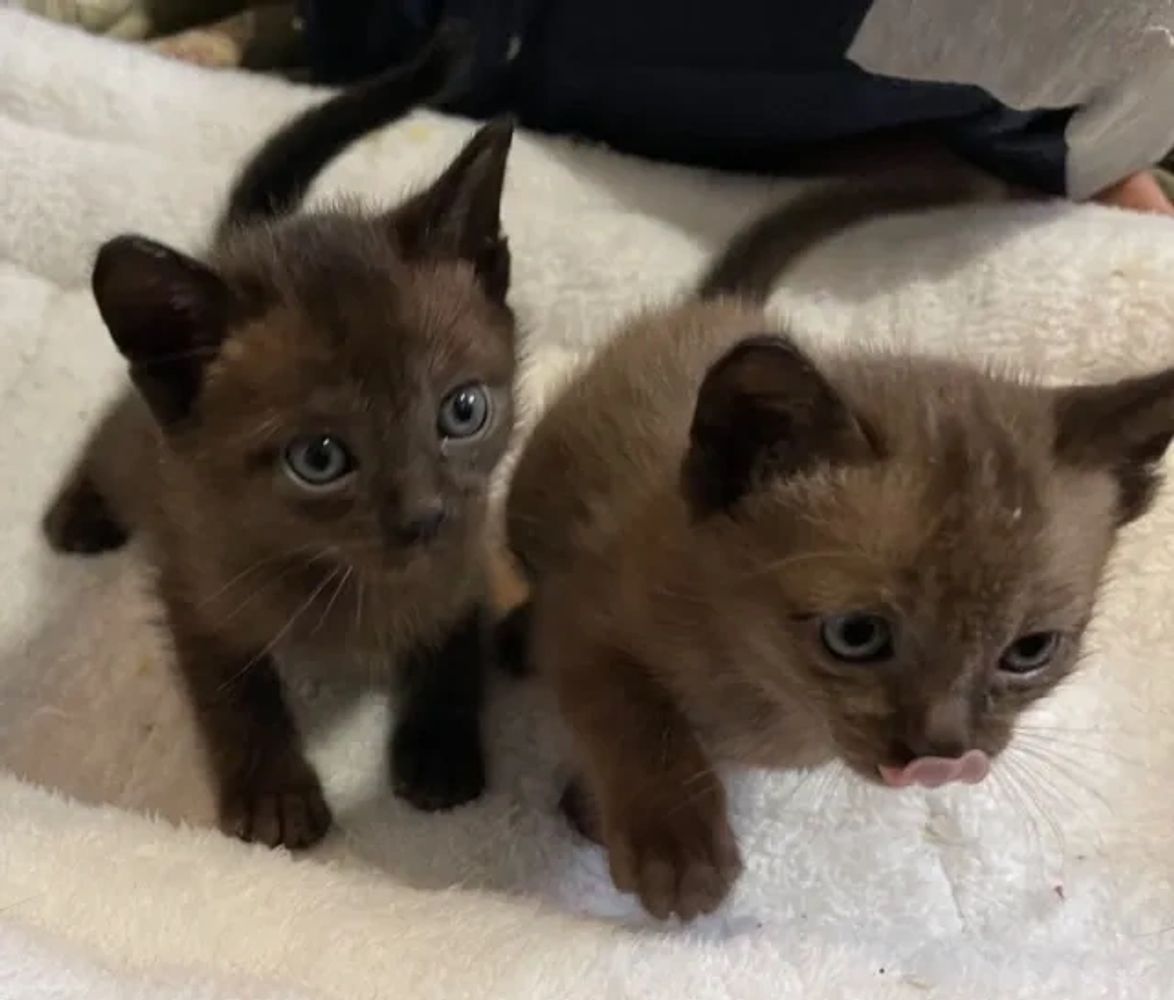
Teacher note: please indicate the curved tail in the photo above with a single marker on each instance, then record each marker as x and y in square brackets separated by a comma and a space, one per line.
[276, 179]
[756, 257]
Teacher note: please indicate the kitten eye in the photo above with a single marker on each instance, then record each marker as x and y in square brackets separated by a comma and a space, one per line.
[1030, 653]
[857, 637]
[318, 462]
[464, 411]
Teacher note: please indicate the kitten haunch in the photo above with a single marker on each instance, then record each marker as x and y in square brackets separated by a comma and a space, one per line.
[319, 403]
[745, 550]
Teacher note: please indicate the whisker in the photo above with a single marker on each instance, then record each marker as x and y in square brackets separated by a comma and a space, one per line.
[281, 633]
[1014, 798]
[252, 567]
[333, 598]
[359, 598]
[801, 783]
[1050, 740]
[834, 785]
[1061, 728]
[1029, 810]
[261, 588]
[693, 789]
[1062, 768]
[1022, 779]
[1045, 791]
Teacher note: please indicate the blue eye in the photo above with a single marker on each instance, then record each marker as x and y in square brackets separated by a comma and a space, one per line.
[857, 637]
[318, 462]
[464, 411]
[1030, 653]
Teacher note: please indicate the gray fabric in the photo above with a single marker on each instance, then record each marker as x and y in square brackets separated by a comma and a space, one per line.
[1113, 60]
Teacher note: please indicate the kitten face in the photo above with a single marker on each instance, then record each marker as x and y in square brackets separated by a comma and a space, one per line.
[337, 384]
[363, 411]
[927, 606]
[923, 540]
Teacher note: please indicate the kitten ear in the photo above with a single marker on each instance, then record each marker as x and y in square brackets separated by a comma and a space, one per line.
[166, 313]
[1123, 427]
[763, 409]
[460, 214]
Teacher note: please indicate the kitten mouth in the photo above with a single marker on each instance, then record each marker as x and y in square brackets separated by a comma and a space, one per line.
[933, 772]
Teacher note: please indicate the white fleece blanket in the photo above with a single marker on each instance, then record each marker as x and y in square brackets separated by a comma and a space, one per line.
[1054, 880]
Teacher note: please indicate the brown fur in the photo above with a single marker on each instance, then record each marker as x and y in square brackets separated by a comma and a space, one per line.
[706, 490]
[346, 323]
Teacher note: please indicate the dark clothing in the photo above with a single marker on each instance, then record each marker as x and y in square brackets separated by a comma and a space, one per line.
[736, 83]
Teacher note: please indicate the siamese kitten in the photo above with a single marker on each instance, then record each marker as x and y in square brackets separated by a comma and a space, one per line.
[743, 550]
[318, 403]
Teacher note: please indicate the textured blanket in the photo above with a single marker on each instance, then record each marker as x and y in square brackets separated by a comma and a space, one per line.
[1053, 880]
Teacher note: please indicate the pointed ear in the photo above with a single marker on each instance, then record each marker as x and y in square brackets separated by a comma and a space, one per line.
[166, 313]
[460, 214]
[1122, 427]
[764, 410]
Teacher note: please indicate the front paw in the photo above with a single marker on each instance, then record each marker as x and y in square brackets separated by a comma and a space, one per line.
[280, 806]
[437, 763]
[681, 859]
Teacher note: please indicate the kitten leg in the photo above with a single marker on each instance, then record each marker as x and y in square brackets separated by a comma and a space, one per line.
[661, 809]
[269, 793]
[511, 639]
[80, 520]
[578, 807]
[436, 756]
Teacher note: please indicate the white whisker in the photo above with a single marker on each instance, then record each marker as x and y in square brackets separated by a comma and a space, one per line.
[342, 582]
[281, 633]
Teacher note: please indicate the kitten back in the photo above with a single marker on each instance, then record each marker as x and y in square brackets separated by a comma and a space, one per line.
[276, 179]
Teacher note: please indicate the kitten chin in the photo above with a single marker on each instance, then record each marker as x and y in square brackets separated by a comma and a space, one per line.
[318, 405]
[745, 551]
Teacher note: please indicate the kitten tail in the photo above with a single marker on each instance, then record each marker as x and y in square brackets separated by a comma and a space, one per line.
[758, 256]
[275, 180]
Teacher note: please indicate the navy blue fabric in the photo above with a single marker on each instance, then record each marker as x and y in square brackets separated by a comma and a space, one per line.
[741, 84]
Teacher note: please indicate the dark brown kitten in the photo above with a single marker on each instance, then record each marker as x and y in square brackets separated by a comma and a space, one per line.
[318, 405]
[746, 551]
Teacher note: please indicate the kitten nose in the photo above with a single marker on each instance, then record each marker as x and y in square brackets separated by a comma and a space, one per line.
[422, 526]
[941, 730]
[912, 749]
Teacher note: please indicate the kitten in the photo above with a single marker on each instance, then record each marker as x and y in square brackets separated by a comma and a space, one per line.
[742, 550]
[319, 403]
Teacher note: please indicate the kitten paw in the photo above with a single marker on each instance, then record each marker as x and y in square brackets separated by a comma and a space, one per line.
[578, 808]
[682, 861]
[80, 522]
[278, 811]
[437, 764]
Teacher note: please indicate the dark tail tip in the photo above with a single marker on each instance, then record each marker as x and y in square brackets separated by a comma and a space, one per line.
[276, 179]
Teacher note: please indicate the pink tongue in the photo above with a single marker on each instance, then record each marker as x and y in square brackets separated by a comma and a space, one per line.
[933, 772]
